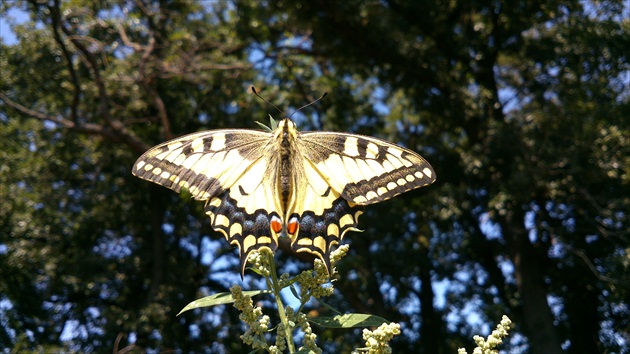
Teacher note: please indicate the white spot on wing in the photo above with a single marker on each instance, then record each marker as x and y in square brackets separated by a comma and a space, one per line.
[170, 147]
[371, 151]
[315, 181]
[173, 154]
[179, 159]
[194, 190]
[351, 146]
[360, 199]
[218, 142]
[214, 163]
[201, 163]
[215, 202]
[371, 195]
[197, 145]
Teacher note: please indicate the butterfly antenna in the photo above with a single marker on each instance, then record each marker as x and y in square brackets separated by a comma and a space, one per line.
[269, 103]
[306, 105]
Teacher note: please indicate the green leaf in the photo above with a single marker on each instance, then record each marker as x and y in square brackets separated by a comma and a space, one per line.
[263, 126]
[272, 124]
[349, 320]
[218, 299]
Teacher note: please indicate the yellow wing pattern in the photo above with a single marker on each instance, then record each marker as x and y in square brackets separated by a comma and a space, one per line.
[227, 169]
[309, 186]
[205, 163]
[363, 169]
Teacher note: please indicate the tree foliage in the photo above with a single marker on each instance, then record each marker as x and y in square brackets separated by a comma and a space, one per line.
[520, 107]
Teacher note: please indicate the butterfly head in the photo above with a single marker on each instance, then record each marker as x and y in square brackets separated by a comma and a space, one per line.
[287, 128]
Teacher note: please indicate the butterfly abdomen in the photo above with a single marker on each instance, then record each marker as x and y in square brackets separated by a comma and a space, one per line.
[288, 174]
[285, 167]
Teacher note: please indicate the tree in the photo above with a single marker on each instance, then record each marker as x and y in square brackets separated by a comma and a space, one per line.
[520, 108]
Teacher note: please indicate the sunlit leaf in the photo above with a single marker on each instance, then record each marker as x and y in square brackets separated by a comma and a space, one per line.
[218, 299]
[349, 320]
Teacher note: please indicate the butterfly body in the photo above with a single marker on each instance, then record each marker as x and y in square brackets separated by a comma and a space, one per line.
[309, 186]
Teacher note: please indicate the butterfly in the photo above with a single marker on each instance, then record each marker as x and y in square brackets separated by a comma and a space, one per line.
[309, 186]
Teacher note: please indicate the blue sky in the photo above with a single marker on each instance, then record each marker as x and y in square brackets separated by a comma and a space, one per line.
[13, 15]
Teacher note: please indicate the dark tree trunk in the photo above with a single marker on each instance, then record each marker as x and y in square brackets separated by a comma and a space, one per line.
[431, 331]
[537, 316]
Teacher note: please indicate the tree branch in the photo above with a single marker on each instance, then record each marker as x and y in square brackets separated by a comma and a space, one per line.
[56, 24]
[145, 80]
[84, 128]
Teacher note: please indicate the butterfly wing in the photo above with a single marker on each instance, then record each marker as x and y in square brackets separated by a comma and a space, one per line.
[324, 215]
[205, 163]
[343, 172]
[236, 172]
[243, 212]
[365, 170]
[227, 168]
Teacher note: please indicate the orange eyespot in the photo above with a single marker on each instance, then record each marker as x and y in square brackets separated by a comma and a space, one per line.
[293, 225]
[276, 224]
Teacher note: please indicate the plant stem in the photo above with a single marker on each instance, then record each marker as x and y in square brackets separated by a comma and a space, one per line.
[274, 285]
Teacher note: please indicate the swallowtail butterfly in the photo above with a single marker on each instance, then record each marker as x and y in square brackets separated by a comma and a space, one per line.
[310, 186]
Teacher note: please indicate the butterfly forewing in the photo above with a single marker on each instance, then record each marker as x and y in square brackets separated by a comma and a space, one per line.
[205, 163]
[365, 170]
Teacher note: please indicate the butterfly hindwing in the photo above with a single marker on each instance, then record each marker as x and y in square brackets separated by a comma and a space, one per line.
[365, 170]
[243, 212]
[324, 216]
